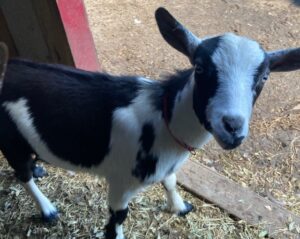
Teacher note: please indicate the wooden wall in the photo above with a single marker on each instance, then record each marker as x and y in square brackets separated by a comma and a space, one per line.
[40, 30]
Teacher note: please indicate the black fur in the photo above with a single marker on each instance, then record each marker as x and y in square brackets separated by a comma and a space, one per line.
[117, 217]
[170, 89]
[72, 109]
[188, 208]
[207, 80]
[145, 161]
[258, 83]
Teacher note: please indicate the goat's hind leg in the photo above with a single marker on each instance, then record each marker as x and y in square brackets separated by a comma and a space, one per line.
[174, 200]
[18, 155]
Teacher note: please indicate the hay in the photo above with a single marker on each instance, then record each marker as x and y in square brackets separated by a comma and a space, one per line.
[81, 199]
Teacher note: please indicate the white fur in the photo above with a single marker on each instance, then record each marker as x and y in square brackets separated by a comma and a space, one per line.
[42, 202]
[237, 59]
[175, 202]
[119, 231]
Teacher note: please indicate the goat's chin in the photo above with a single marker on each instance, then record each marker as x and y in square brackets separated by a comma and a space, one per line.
[226, 144]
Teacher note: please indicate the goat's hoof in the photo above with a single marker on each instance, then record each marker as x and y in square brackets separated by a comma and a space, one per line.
[188, 208]
[50, 218]
[108, 235]
[39, 172]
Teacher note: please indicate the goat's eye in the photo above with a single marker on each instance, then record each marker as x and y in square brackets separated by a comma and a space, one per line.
[265, 78]
[199, 69]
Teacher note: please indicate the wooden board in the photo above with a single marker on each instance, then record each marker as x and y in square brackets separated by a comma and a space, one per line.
[54, 31]
[235, 199]
[5, 35]
[25, 30]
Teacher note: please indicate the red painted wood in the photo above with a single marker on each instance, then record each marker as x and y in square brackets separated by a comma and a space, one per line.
[79, 36]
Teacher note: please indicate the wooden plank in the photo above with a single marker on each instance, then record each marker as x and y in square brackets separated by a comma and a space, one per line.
[37, 30]
[25, 29]
[5, 35]
[79, 36]
[3, 62]
[50, 31]
[235, 199]
[52, 28]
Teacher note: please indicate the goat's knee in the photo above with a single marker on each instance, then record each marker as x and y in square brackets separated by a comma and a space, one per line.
[175, 202]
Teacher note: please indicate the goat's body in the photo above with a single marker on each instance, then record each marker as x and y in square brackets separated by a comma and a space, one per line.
[98, 123]
[109, 126]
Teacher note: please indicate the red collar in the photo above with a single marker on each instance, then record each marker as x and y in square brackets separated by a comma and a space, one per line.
[177, 140]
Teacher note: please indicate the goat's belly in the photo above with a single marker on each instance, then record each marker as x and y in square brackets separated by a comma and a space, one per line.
[68, 154]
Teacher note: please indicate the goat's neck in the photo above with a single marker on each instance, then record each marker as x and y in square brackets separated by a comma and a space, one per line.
[184, 123]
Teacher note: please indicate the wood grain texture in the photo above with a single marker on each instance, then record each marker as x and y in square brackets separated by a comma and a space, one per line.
[235, 199]
[25, 29]
[5, 35]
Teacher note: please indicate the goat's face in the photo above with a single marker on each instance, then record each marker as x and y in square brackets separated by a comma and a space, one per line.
[230, 72]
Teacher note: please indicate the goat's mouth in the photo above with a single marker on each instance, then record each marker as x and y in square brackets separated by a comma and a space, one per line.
[229, 143]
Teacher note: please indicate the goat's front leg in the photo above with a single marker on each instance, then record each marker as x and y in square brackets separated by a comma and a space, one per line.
[118, 209]
[174, 200]
[49, 212]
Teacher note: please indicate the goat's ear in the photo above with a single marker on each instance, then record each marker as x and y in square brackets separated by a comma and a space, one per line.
[285, 60]
[176, 34]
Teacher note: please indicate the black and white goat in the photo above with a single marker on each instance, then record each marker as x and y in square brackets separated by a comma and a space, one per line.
[131, 130]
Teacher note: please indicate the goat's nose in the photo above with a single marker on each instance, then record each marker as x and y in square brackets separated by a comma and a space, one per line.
[233, 124]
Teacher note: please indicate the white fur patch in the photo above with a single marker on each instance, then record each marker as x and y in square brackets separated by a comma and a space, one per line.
[237, 60]
[42, 202]
[175, 202]
[119, 231]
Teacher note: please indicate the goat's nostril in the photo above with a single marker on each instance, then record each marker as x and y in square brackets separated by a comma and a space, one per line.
[232, 124]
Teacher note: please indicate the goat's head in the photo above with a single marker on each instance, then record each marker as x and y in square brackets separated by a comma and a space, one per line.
[229, 74]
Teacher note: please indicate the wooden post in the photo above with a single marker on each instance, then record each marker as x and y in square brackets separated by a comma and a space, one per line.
[79, 36]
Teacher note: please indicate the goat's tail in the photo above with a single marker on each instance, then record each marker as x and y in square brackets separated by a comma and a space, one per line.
[3, 62]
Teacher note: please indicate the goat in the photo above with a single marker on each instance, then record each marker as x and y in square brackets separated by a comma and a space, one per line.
[131, 130]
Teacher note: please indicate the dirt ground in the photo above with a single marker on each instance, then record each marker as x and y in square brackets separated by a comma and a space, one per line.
[128, 42]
